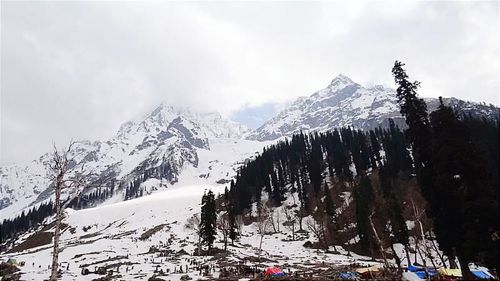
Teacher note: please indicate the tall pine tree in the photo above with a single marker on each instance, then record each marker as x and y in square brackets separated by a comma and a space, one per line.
[208, 219]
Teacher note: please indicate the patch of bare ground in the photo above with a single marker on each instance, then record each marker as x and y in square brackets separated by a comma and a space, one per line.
[123, 234]
[107, 278]
[106, 260]
[89, 253]
[90, 235]
[151, 232]
[79, 242]
[35, 240]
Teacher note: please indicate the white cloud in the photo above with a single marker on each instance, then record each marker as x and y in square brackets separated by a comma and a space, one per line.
[79, 69]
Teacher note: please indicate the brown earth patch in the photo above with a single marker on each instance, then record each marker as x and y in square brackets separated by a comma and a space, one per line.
[38, 239]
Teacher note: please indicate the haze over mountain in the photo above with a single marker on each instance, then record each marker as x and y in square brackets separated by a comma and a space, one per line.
[168, 140]
[217, 57]
[165, 140]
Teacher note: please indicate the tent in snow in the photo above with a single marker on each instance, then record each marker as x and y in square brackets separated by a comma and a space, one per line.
[450, 274]
[481, 272]
[348, 275]
[411, 276]
[274, 272]
[368, 272]
[422, 272]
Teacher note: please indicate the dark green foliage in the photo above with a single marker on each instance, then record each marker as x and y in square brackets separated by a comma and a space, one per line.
[329, 203]
[208, 219]
[299, 166]
[364, 196]
[414, 109]
[9, 228]
[314, 164]
[419, 132]
[456, 163]
[393, 210]
[466, 220]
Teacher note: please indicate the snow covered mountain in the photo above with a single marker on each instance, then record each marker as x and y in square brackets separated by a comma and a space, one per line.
[189, 152]
[346, 103]
[168, 141]
[162, 143]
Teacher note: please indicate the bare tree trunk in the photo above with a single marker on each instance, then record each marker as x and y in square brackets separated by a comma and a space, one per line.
[57, 231]
[437, 251]
[426, 246]
[416, 250]
[453, 263]
[407, 253]
[199, 244]
[396, 257]
[59, 166]
[273, 224]
[378, 240]
[226, 234]
[300, 222]
[278, 219]
[422, 257]
[260, 247]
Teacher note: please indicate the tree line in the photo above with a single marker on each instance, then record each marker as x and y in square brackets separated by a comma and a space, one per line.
[9, 228]
[440, 172]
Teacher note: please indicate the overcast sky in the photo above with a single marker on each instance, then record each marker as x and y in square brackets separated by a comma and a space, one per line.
[80, 69]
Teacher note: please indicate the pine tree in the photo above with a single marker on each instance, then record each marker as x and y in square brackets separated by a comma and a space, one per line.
[364, 197]
[466, 220]
[208, 219]
[329, 203]
[419, 133]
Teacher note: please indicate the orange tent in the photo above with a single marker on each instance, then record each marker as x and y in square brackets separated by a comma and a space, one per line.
[273, 271]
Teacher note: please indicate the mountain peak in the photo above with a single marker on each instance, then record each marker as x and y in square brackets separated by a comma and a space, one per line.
[341, 79]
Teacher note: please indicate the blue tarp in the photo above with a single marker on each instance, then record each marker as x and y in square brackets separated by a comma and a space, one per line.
[348, 275]
[279, 274]
[432, 272]
[413, 268]
[421, 274]
[480, 274]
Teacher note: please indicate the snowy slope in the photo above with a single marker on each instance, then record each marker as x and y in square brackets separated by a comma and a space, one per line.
[168, 137]
[346, 103]
[115, 238]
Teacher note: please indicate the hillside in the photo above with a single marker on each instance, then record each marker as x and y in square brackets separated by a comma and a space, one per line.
[140, 237]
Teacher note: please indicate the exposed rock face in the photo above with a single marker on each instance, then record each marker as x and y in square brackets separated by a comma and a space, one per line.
[165, 140]
[346, 103]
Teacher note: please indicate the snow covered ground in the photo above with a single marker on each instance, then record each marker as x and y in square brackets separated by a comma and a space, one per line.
[110, 235]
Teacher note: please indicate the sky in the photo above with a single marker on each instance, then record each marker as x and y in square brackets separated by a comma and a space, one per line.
[77, 70]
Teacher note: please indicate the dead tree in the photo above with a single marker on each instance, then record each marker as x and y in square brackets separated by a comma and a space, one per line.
[301, 214]
[417, 217]
[290, 223]
[317, 228]
[194, 223]
[224, 226]
[262, 223]
[377, 237]
[275, 221]
[60, 165]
